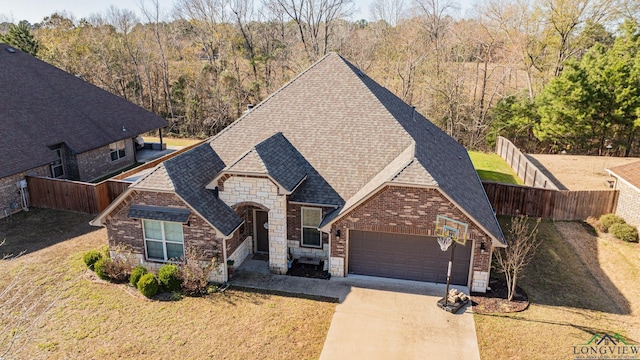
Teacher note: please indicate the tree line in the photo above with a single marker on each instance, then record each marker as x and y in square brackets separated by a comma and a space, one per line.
[550, 75]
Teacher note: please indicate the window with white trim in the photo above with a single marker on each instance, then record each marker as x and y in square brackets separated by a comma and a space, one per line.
[311, 236]
[163, 240]
[116, 150]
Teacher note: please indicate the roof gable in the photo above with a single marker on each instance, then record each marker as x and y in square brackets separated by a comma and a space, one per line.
[629, 172]
[190, 173]
[45, 106]
[353, 135]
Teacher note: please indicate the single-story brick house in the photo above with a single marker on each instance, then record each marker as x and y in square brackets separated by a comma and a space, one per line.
[628, 184]
[55, 124]
[332, 166]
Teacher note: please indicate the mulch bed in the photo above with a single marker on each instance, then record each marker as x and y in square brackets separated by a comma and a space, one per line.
[495, 300]
[308, 271]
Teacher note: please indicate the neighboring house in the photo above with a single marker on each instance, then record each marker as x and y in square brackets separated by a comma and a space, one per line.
[332, 166]
[628, 183]
[55, 124]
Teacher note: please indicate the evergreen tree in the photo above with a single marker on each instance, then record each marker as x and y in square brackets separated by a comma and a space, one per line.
[19, 36]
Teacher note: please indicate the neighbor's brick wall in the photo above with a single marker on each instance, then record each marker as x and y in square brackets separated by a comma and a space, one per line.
[628, 204]
[96, 163]
[410, 211]
[123, 230]
[294, 231]
[10, 198]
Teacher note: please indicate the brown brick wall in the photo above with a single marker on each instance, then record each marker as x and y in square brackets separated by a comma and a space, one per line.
[407, 210]
[123, 230]
[10, 198]
[294, 222]
[96, 163]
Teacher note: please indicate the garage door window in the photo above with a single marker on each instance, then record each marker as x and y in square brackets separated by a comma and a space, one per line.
[311, 236]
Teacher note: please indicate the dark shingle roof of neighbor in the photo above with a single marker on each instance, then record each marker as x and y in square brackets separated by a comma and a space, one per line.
[42, 106]
[355, 135]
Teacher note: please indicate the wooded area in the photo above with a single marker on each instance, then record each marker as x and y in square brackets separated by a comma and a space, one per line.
[550, 75]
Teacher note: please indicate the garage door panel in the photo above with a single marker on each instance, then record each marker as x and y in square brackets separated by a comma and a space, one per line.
[405, 257]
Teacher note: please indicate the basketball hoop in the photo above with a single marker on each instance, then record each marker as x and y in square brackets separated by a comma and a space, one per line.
[445, 242]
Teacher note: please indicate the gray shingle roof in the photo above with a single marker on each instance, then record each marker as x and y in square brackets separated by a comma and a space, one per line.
[42, 106]
[159, 213]
[354, 135]
[283, 162]
[191, 172]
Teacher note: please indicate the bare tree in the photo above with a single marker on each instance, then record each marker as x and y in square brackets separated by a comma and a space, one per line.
[522, 244]
[153, 17]
[314, 20]
[389, 11]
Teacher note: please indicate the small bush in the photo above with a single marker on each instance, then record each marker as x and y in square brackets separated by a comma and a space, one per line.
[91, 257]
[607, 220]
[624, 232]
[136, 274]
[100, 267]
[169, 278]
[148, 285]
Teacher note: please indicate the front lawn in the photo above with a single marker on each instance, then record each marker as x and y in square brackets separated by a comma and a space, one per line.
[579, 285]
[491, 167]
[92, 319]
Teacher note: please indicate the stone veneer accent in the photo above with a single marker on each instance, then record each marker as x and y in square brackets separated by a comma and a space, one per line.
[412, 211]
[95, 163]
[123, 231]
[244, 189]
[628, 206]
[10, 197]
[241, 252]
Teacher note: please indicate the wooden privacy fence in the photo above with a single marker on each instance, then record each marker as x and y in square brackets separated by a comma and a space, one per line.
[73, 195]
[550, 204]
[526, 170]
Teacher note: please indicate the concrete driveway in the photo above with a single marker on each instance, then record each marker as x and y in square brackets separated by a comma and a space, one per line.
[391, 319]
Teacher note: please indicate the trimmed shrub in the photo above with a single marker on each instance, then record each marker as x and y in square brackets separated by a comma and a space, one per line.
[136, 274]
[169, 277]
[607, 220]
[148, 285]
[624, 232]
[91, 257]
[100, 267]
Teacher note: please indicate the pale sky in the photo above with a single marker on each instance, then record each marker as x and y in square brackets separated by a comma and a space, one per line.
[35, 10]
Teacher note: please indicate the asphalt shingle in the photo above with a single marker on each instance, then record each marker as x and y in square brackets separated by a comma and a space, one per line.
[42, 106]
[353, 135]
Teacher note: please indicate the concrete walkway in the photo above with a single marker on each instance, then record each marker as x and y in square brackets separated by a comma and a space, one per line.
[377, 318]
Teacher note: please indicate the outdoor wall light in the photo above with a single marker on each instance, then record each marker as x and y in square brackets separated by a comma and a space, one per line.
[483, 247]
[338, 233]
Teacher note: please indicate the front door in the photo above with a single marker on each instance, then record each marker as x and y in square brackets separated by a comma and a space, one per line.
[262, 231]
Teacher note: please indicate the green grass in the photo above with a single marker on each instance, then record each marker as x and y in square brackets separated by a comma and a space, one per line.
[95, 319]
[579, 285]
[491, 167]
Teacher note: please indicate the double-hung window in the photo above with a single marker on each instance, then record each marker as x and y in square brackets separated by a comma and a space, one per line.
[311, 236]
[116, 150]
[163, 240]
